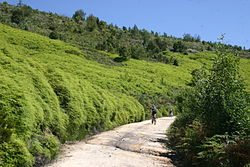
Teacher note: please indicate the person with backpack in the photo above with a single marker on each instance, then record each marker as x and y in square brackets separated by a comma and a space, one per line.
[171, 113]
[154, 109]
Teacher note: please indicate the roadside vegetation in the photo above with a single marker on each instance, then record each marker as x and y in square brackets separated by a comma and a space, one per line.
[213, 125]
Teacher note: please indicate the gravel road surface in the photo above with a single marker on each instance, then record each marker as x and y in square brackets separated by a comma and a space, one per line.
[133, 145]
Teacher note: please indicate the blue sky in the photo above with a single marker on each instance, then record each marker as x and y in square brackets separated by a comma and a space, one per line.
[207, 18]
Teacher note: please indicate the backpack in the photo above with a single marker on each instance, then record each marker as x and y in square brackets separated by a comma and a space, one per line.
[154, 109]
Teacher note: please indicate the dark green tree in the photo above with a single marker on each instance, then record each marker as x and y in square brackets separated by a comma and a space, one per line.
[135, 31]
[91, 22]
[161, 42]
[153, 47]
[197, 38]
[102, 25]
[137, 52]
[145, 36]
[124, 28]
[124, 52]
[188, 37]
[179, 47]
[19, 14]
[79, 15]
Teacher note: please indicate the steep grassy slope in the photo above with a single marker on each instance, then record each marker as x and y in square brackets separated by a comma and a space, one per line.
[50, 93]
[45, 97]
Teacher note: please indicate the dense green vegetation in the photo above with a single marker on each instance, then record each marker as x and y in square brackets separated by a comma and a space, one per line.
[52, 92]
[213, 128]
[89, 32]
[45, 98]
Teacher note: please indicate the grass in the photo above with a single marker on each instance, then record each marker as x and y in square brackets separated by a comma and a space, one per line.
[50, 93]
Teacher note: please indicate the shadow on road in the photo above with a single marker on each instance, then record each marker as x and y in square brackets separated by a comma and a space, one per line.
[171, 154]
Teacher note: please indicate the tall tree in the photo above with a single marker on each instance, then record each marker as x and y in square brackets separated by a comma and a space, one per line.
[79, 15]
[91, 22]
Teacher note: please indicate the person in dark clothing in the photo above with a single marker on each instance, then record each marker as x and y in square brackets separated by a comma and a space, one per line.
[153, 108]
[171, 113]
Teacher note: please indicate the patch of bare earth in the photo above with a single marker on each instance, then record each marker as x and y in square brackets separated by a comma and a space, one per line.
[131, 145]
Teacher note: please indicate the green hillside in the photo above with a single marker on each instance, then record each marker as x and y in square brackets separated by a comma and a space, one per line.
[50, 93]
[88, 32]
[47, 96]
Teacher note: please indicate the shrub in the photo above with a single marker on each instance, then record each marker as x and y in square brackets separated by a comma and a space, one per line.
[15, 153]
[179, 47]
[176, 63]
[238, 153]
[212, 112]
[19, 14]
[225, 150]
[44, 148]
[54, 35]
[225, 100]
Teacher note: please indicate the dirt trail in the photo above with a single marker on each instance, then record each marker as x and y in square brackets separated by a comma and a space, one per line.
[131, 145]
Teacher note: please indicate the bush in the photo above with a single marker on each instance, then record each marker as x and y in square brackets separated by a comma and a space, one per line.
[187, 136]
[19, 14]
[15, 153]
[225, 150]
[211, 114]
[225, 100]
[124, 53]
[54, 35]
[176, 63]
[179, 47]
[238, 153]
[44, 148]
